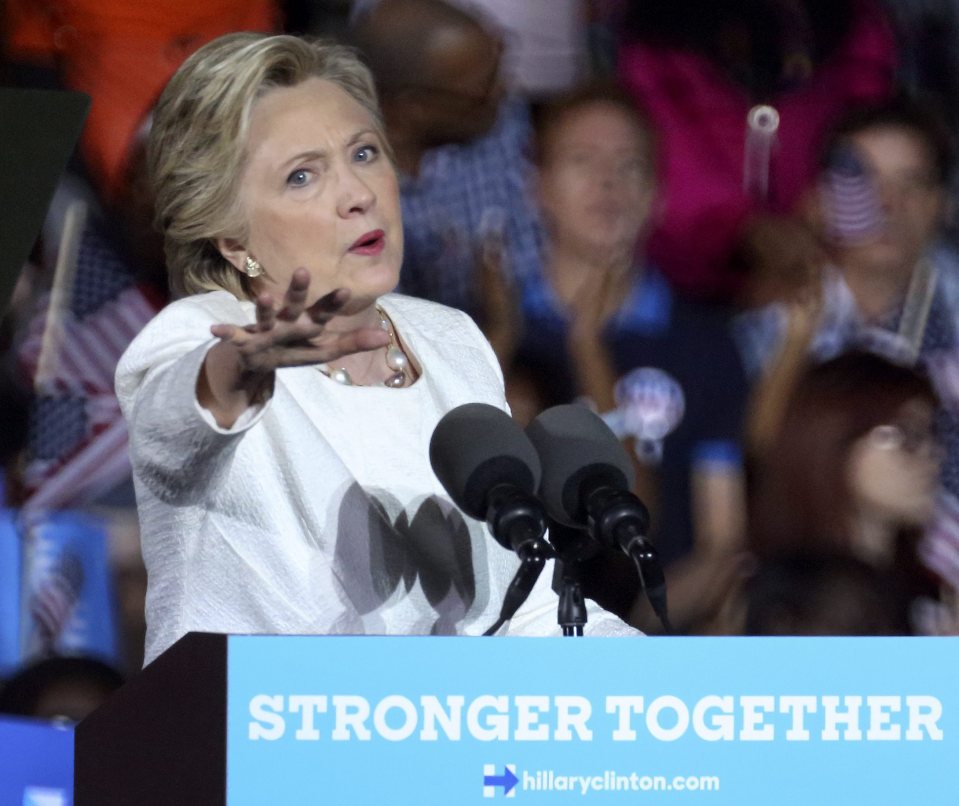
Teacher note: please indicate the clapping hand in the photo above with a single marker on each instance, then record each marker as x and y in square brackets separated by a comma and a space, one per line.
[599, 299]
[500, 314]
[590, 310]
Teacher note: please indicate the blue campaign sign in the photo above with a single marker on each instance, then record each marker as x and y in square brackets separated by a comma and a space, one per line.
[56, 595]
[68, 603]
[10, 574]
[420, 720]
[36, 763]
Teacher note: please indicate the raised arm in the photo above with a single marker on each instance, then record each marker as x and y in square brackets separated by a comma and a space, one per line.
[239, 372]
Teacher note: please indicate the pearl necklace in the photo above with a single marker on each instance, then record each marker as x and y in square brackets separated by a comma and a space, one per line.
[396, 360]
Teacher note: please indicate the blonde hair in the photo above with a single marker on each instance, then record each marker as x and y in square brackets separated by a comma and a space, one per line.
[197, 143]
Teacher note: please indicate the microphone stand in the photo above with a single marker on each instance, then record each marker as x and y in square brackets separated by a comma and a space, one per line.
[571, 613]
[572, 546]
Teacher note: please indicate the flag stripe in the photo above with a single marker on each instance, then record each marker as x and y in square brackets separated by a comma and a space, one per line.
[99, 465]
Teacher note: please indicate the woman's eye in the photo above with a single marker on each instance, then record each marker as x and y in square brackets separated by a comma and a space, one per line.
[366, 153]
[298, 178]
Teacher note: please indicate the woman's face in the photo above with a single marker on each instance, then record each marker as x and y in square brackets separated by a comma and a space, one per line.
[894, 468]
[318, 191]
[596, 185]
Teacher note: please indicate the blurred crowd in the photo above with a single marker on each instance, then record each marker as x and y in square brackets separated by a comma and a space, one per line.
[724, 225]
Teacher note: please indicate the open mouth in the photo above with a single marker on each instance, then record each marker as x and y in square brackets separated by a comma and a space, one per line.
[371, 243]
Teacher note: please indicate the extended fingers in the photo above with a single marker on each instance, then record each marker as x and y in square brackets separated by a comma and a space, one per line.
[327, 306]
[294, 300]
[322, 349]
[265, 313]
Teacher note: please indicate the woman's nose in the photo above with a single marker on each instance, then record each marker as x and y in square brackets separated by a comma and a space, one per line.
[355, 193]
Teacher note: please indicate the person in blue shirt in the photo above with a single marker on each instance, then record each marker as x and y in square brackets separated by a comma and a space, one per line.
[598, 322]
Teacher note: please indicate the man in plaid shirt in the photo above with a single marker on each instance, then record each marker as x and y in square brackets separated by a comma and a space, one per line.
[460, 148]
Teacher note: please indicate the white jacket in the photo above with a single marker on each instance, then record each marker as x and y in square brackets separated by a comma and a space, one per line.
[317, 512]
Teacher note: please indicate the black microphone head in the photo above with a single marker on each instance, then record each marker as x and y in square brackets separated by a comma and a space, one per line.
[576, 447]
[476, 447]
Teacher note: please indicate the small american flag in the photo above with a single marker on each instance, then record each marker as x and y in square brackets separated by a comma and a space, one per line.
[850, 201]
[53, 601]
[78, 438]
[66, 598]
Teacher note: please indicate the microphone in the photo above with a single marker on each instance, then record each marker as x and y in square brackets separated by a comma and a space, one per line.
[490, 469]
[586, 483]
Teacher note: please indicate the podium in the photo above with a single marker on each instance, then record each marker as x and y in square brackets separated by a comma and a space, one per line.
[160, 739]
[245, 720]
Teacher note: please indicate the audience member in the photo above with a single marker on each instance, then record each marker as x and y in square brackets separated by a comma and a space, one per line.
[929, 68]
[600, 322]
[741, 93]
[460, 146]
[545, 43]
[811, 594]
[27, 49]
[852, 469]
[59, 688]
[882, 288]
[121, 54]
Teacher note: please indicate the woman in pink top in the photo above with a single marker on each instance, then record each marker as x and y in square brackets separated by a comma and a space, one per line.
[699, 68]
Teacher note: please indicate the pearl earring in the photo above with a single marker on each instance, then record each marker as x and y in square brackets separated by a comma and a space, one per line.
[252, 268]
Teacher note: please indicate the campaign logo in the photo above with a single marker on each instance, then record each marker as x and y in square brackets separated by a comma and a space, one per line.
[650, 404]
[37, 796]
[494, 781]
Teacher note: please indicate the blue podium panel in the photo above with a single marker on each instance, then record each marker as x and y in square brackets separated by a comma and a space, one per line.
[677, 720]
[36, 763]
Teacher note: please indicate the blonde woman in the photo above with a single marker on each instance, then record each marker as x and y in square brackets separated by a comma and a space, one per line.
[280, 412]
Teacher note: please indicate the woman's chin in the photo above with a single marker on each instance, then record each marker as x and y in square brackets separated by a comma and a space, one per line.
[370, 283]
[377, 278]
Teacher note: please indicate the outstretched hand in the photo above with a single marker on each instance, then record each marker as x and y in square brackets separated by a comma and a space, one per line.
[239, 371]
[294, 334]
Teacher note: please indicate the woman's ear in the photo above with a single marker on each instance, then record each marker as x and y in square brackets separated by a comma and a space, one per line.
[233, 251]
